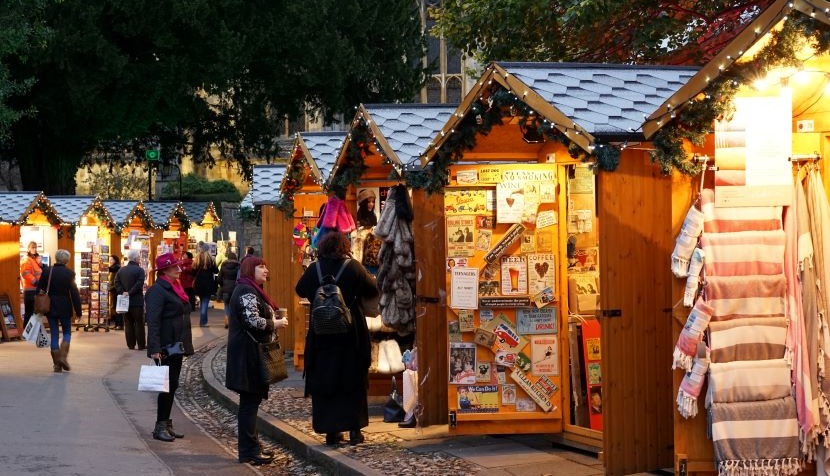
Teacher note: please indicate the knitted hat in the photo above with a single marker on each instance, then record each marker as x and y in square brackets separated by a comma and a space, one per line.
[364, 194]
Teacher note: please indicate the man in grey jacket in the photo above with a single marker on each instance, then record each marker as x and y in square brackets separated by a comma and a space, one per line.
[129, 281]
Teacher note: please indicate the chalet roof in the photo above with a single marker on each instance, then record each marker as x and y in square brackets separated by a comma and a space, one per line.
[407, 128]
[71, 209]
[247, 201]
[15, 207]
[197, 212]
[265, 189]
[322, 148]
[162, 212]
[122, 210]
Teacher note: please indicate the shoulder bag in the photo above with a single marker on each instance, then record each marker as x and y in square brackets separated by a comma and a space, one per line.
[42, 300]
[271, 361]
[393, 411]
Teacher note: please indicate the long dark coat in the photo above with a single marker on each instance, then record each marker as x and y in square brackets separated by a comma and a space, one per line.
[241, 370]
[204, 280]
[337, 366]
[63, 292]
[228, 273]
[168, 318]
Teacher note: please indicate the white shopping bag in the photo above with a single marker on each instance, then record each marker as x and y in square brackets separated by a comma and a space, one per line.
[35, 333]
[154, 378]
[122, 304]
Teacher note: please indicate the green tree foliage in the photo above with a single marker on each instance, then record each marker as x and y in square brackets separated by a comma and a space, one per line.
[203, 78]
[196, 188]
[602, 31]
[116, 183]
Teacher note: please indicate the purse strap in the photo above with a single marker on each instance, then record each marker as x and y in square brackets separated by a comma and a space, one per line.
[49, 281]
[258, 342]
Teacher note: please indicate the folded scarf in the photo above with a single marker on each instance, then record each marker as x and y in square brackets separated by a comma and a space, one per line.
[734, 297]
[749, 338]
[730, 219]
[743, 253]
[691, 335]
[756, 438]
[693, 280]
[686, 242]
[690, 388]
[748, 381]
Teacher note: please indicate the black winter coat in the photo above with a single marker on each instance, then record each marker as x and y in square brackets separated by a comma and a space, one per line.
[168, 319]
[63, 292]
[130, 278]
[227, 277]
[337, 366]
[248, 312]
[204, 281]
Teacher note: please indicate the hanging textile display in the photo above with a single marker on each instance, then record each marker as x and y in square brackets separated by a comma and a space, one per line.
[396, 273]
[334, 216]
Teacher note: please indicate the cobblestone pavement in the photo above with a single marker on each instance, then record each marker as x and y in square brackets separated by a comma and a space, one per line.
[382, 451]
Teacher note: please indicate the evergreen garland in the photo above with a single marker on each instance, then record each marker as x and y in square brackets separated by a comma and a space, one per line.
[297, 171]
[350, 172]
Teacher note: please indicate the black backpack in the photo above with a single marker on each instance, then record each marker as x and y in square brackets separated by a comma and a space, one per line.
[329, 312]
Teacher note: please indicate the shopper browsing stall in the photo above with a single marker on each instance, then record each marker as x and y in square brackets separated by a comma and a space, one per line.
[129, 281]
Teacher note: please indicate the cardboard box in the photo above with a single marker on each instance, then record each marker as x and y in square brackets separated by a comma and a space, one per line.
[583, 293]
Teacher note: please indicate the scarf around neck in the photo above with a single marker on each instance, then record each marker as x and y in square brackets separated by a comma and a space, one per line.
[250, 282]
[177, 288]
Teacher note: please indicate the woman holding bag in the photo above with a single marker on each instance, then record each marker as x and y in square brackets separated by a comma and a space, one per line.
[169, 338]
[252, 320]
[59, 283]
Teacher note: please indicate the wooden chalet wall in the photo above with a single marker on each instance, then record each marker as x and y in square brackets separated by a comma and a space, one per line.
[10, 268]
[277, 253]
[431, 331]
[636, 210]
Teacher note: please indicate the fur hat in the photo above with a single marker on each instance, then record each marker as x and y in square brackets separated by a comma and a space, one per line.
[365, 194]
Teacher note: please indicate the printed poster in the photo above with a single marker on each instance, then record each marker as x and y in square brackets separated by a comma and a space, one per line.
[485, 237]
[541, 269]
[537, 321]
[466, 177]
[544, 355]
[538, 394]
[528, 242]
[454, 331]
[507, 338]
[461, 235]
[464, 288]
[462, 363]
[478, 399]
[545, 219]
[465, 320]
[465, 202]
[513, 275]
[508, 394]
[484, 372]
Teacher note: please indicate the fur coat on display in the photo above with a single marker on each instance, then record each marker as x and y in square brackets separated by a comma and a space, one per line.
[396, 273]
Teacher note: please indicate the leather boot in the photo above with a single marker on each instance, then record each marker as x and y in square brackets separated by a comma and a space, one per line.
[172, 431]
[161, 433]
[56, 361]
[410, 423]
[64, 352]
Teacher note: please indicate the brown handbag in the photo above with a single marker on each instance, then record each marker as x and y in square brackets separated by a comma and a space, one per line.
[42, 300]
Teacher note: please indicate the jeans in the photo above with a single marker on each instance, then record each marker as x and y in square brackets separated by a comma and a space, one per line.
[165, 399]
[204, 302]
[248, 440]
[66, 325]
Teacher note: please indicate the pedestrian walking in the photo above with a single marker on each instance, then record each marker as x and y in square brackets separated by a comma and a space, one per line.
[115, 265]
[252, 320]
[129, 281]
[169, 338]
[204, 282]
[64, 298]
[228, 272]
[337, 365]
[187, 278]
[30, 271]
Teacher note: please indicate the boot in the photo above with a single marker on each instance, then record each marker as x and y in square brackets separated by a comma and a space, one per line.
[56, 361]
[161, 433]
[410, 423]
[64, 351]
[355, 437]
[172, 431]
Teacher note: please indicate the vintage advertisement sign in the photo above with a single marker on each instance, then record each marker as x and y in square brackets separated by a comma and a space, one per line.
[541, 271]
[510, 236]
[537, 394]
[544, 355]
[502, 302]
[478, 399]
[465, 202]
[513, 275]
[464, 288]
[461, 235]
[537, 321]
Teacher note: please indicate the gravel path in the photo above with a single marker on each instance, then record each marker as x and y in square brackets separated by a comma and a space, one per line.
[383, 452]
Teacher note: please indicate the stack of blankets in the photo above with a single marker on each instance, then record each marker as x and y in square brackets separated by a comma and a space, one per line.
[752, 409]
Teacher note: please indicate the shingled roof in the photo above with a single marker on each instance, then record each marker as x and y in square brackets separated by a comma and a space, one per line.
[163, 212]
[71, 209]
[407, 128]
[198, 211]
[15, 207]
[322, 148]
[121, 210]
[265, 189]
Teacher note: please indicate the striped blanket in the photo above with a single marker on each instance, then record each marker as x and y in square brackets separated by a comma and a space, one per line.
[728, 219]
[756, 438]
[733, 297]
[749, 338]
[748, 381]
[691, 335]
[744, 253]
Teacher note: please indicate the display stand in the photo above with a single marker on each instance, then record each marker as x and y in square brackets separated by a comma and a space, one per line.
[94, 300]
[9, 323]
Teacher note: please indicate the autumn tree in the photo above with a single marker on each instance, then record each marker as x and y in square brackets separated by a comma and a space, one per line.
[211, 79]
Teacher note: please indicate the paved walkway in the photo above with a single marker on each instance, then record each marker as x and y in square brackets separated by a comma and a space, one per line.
[93, 421]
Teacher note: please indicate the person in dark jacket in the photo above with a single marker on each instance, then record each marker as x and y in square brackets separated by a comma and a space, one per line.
[64, 298]
[115, 265]
[204, 282]
[168, 323]
[129, 281]
[187, 278]
[228, 273]
[337, 365]
[252, 320]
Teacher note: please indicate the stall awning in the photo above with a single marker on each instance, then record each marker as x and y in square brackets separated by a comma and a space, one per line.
[15, 207]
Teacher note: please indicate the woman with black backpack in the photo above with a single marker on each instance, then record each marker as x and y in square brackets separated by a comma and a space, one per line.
[337, 364]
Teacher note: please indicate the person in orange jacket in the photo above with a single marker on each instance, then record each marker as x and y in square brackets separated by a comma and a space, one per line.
[30, 271]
